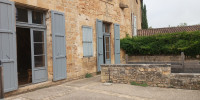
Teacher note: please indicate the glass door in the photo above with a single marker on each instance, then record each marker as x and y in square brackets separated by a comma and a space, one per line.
[38, 51]
[107, 49]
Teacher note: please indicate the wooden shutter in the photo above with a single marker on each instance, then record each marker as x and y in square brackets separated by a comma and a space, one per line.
[117, 43]
[132, 23]
[59, 46]
[87, 41]
[99, 31]
[135, 26]
[8, 45]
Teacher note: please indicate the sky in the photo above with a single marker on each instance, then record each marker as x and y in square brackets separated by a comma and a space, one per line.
[162, 13]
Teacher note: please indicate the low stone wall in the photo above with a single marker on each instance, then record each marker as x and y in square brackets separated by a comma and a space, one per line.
[185, 81]
[154, 58]
[158, 75]
[153, 75]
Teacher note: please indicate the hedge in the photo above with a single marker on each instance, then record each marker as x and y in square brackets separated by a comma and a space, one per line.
[163, 44]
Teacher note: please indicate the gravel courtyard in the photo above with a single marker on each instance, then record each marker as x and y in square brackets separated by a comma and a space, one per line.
[93, 89]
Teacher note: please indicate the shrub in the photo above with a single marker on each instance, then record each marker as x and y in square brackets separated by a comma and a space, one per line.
[88, 75]
[163, 44]
[143, 84]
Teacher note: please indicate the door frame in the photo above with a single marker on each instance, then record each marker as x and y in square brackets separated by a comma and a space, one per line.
[33, 26]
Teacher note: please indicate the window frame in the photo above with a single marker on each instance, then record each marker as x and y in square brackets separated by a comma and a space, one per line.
[91, 42]
[30, 23]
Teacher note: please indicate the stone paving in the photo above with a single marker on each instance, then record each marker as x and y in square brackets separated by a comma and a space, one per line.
[93, 89]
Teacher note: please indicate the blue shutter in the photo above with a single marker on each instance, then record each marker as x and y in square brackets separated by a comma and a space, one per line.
[135, 26]
[91, 42]
[99, 33]
[59, 46]
[117, 43]
[87, 41]
[8, 45]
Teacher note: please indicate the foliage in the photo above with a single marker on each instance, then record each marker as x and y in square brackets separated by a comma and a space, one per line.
[144, 17]
[143, 84]
[88, 75]
[182, 24]
[163, 44]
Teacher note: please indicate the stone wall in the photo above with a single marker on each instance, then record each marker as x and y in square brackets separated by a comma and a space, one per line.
[158, 75]
[153, 75]
[179, 63]
[185, 81]
[159, 58]
[77, 14]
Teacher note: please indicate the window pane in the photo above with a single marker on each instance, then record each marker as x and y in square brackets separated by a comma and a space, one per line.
[39, 61]
[37, 17]
[107, 44]
[21, 15]
[38, 36]
[38, 48]
[107, 28]
[107, 55]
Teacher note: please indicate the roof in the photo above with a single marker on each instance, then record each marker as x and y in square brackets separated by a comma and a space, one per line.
[147, 32]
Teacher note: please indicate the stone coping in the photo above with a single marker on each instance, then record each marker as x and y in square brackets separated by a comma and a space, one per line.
[186, 74]
[136, 65]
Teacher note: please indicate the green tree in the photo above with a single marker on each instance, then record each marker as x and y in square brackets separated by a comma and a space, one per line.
[182, 24]
[144, 17]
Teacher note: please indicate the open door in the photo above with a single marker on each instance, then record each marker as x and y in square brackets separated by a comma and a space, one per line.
[8, 45]
[38, 52]
[59, 46]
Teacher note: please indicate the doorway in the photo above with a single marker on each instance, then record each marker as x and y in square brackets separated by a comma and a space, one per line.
[24, 56]
[106, 43]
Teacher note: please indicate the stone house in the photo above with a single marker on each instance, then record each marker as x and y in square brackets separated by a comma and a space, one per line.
[51, 40]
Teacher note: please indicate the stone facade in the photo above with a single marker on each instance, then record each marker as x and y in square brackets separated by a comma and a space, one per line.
[80, 13]
[158, 75]
[153, 75]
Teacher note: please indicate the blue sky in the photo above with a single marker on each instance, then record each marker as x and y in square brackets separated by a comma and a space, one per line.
[162, 13]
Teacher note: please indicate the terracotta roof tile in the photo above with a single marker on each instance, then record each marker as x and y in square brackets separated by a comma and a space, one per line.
[147, 32]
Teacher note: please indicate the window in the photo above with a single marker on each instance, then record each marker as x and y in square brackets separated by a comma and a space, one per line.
[30, 16]
[21, 15]
[37, 17]
[106, 28]
[87, 41]
[39, 49]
